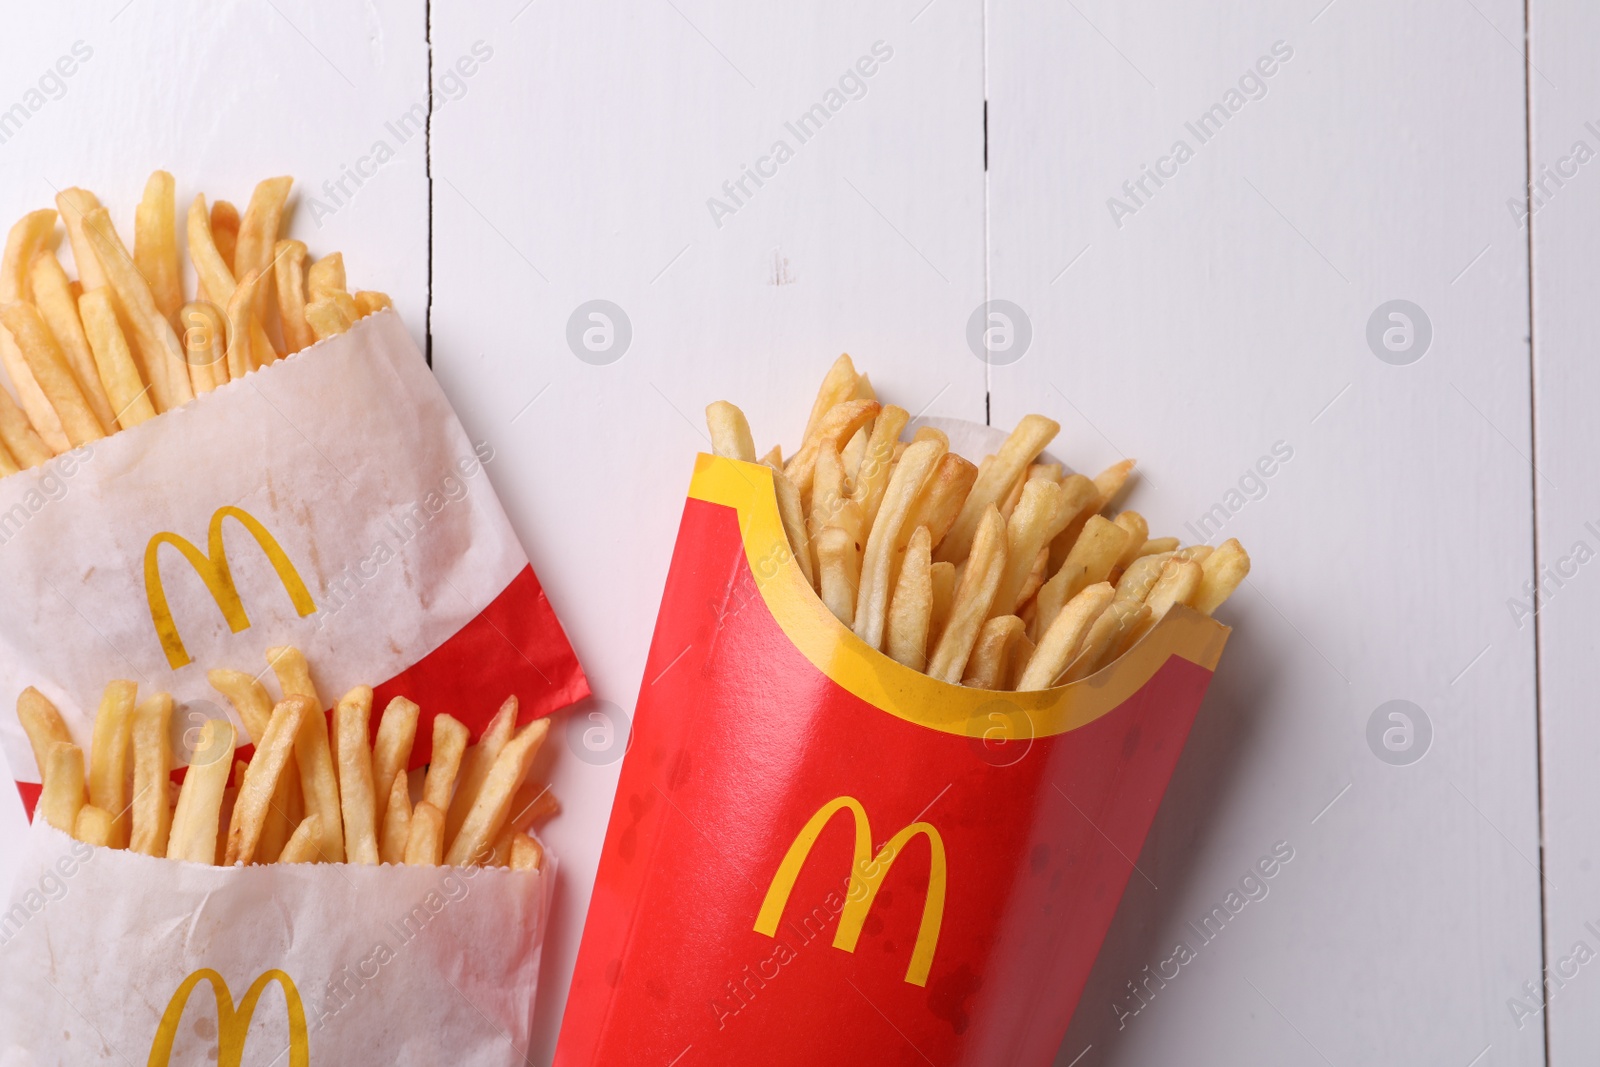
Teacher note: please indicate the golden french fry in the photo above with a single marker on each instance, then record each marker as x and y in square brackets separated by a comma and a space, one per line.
[488, 813]
[370, 302]
[877, 461]
[30, 235]
[258, 234]
[326, 318]
[1158, 544]
[1079, 500]
[108, 757]
[1021, 448]
[215, 273]
[773, 457]
[475, 765]
[533, 804]
[51, 372]
[7, 464]
[425, 841]
[1099, 639]
[449, 745]
[500, 851]
[1140, 576]
[1017, 662]
[1198, 553]
[21, 440]
[1110, 481]
[325, 278]
[975, 592]
[319, 785]
[153, 338]
[198, 819]
[1032, 525]
[119, 374]
[242, 355]
[254, 798]
[225, 230]
[931, 433]
[1013, 496]
[1221, 574]
[248, 697]
[42, 723]
[75, 205]
[831, 504]
[1036, 576]
[911, 607]
[289, 268]
[1064, 636]
[837, 424]
[837, 562]
[1050, 471]
[293, 672]
[1138, 533]
[391, 749]
[1131, 617]
[838, 385]
[396, 821]
[1099, 547]
[877, 563]
[991, 656]
[730, 432]
[52, 295]
[356, 796]
[303, 845]
[793, 515]
[1180, 578]
[152, 764]
[526, 853]
[205, 345]
[943, 577]
[940, 501]
[93, 826]
[155, 244]
[62, 796]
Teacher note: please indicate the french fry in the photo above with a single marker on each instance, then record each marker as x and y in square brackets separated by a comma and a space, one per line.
[1179, 580]
[357, 802]
[22, 442]
[155, 244]
[1221, 574]
[836, 568]
[1021, 448]
[940, 501]
[836, 425]
[293, 672]
[1158, 544]
[991, 656]
[62, 796]
[1079, 500]
[242, 355]
[1064, 637]
[248, 697]
[370, 302]
[75, 205]
[449, 745]
[793, 515]
[911, 607]
[42, 723]
[51, 372]
[254, 798]
[153, 337]
[500, 851]
[1013, 496]
[152, 763]
[391, 749]
[319, 785]
[838, 385]
[425, 841]
[109, 771]
[1030, 528]
[396, 821]
[1099, 547]
[1140, 576]
[7, 464]
[119, 374]
[1198, 553]
[205, 345]
[475, 765]
[325, 277]
[773, 457]
[532, 804]
[1138, 531]
[27, 238]
[488, 813]
[730, 432]
[943, 578]
[931, 433]
[877, 461]
[52, 294]
[289, 278]
[975, 592]
[526, 853]
[1111, 481]
[326, 318]
[214, 271]
[303, 845]
[877, 564]
[225, 230]
[258, 235]
[197, 820]
[831, 504]
[1102, 634]
[93, 826]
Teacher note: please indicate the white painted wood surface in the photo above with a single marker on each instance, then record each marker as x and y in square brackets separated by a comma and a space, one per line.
[574, 150]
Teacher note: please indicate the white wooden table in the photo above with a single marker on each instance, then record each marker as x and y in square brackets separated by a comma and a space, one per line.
[1206, 309]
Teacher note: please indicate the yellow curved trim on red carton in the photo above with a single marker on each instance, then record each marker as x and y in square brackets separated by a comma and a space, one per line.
[836, 651]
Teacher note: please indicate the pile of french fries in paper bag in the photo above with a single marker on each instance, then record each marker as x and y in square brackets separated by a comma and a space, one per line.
[998, 575]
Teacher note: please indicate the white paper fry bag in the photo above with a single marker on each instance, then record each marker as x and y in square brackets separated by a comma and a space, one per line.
[330, 501]
[109, 957]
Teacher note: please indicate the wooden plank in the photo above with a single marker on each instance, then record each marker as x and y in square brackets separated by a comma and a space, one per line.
[1216, 321]
[578, 167]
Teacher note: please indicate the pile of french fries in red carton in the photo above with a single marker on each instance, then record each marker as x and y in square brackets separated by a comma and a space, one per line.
[905, 720]
[191, 492]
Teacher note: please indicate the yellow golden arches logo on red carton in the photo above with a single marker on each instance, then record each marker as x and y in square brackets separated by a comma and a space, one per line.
[866, 876]
[212, 566]
[233, 1024]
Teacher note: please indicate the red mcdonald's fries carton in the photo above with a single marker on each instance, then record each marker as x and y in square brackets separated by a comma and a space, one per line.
[819, 856]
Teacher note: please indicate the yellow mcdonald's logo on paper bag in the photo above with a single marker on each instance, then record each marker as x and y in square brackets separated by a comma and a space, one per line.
[212, 566]
[866, 876]
[233, 1024]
